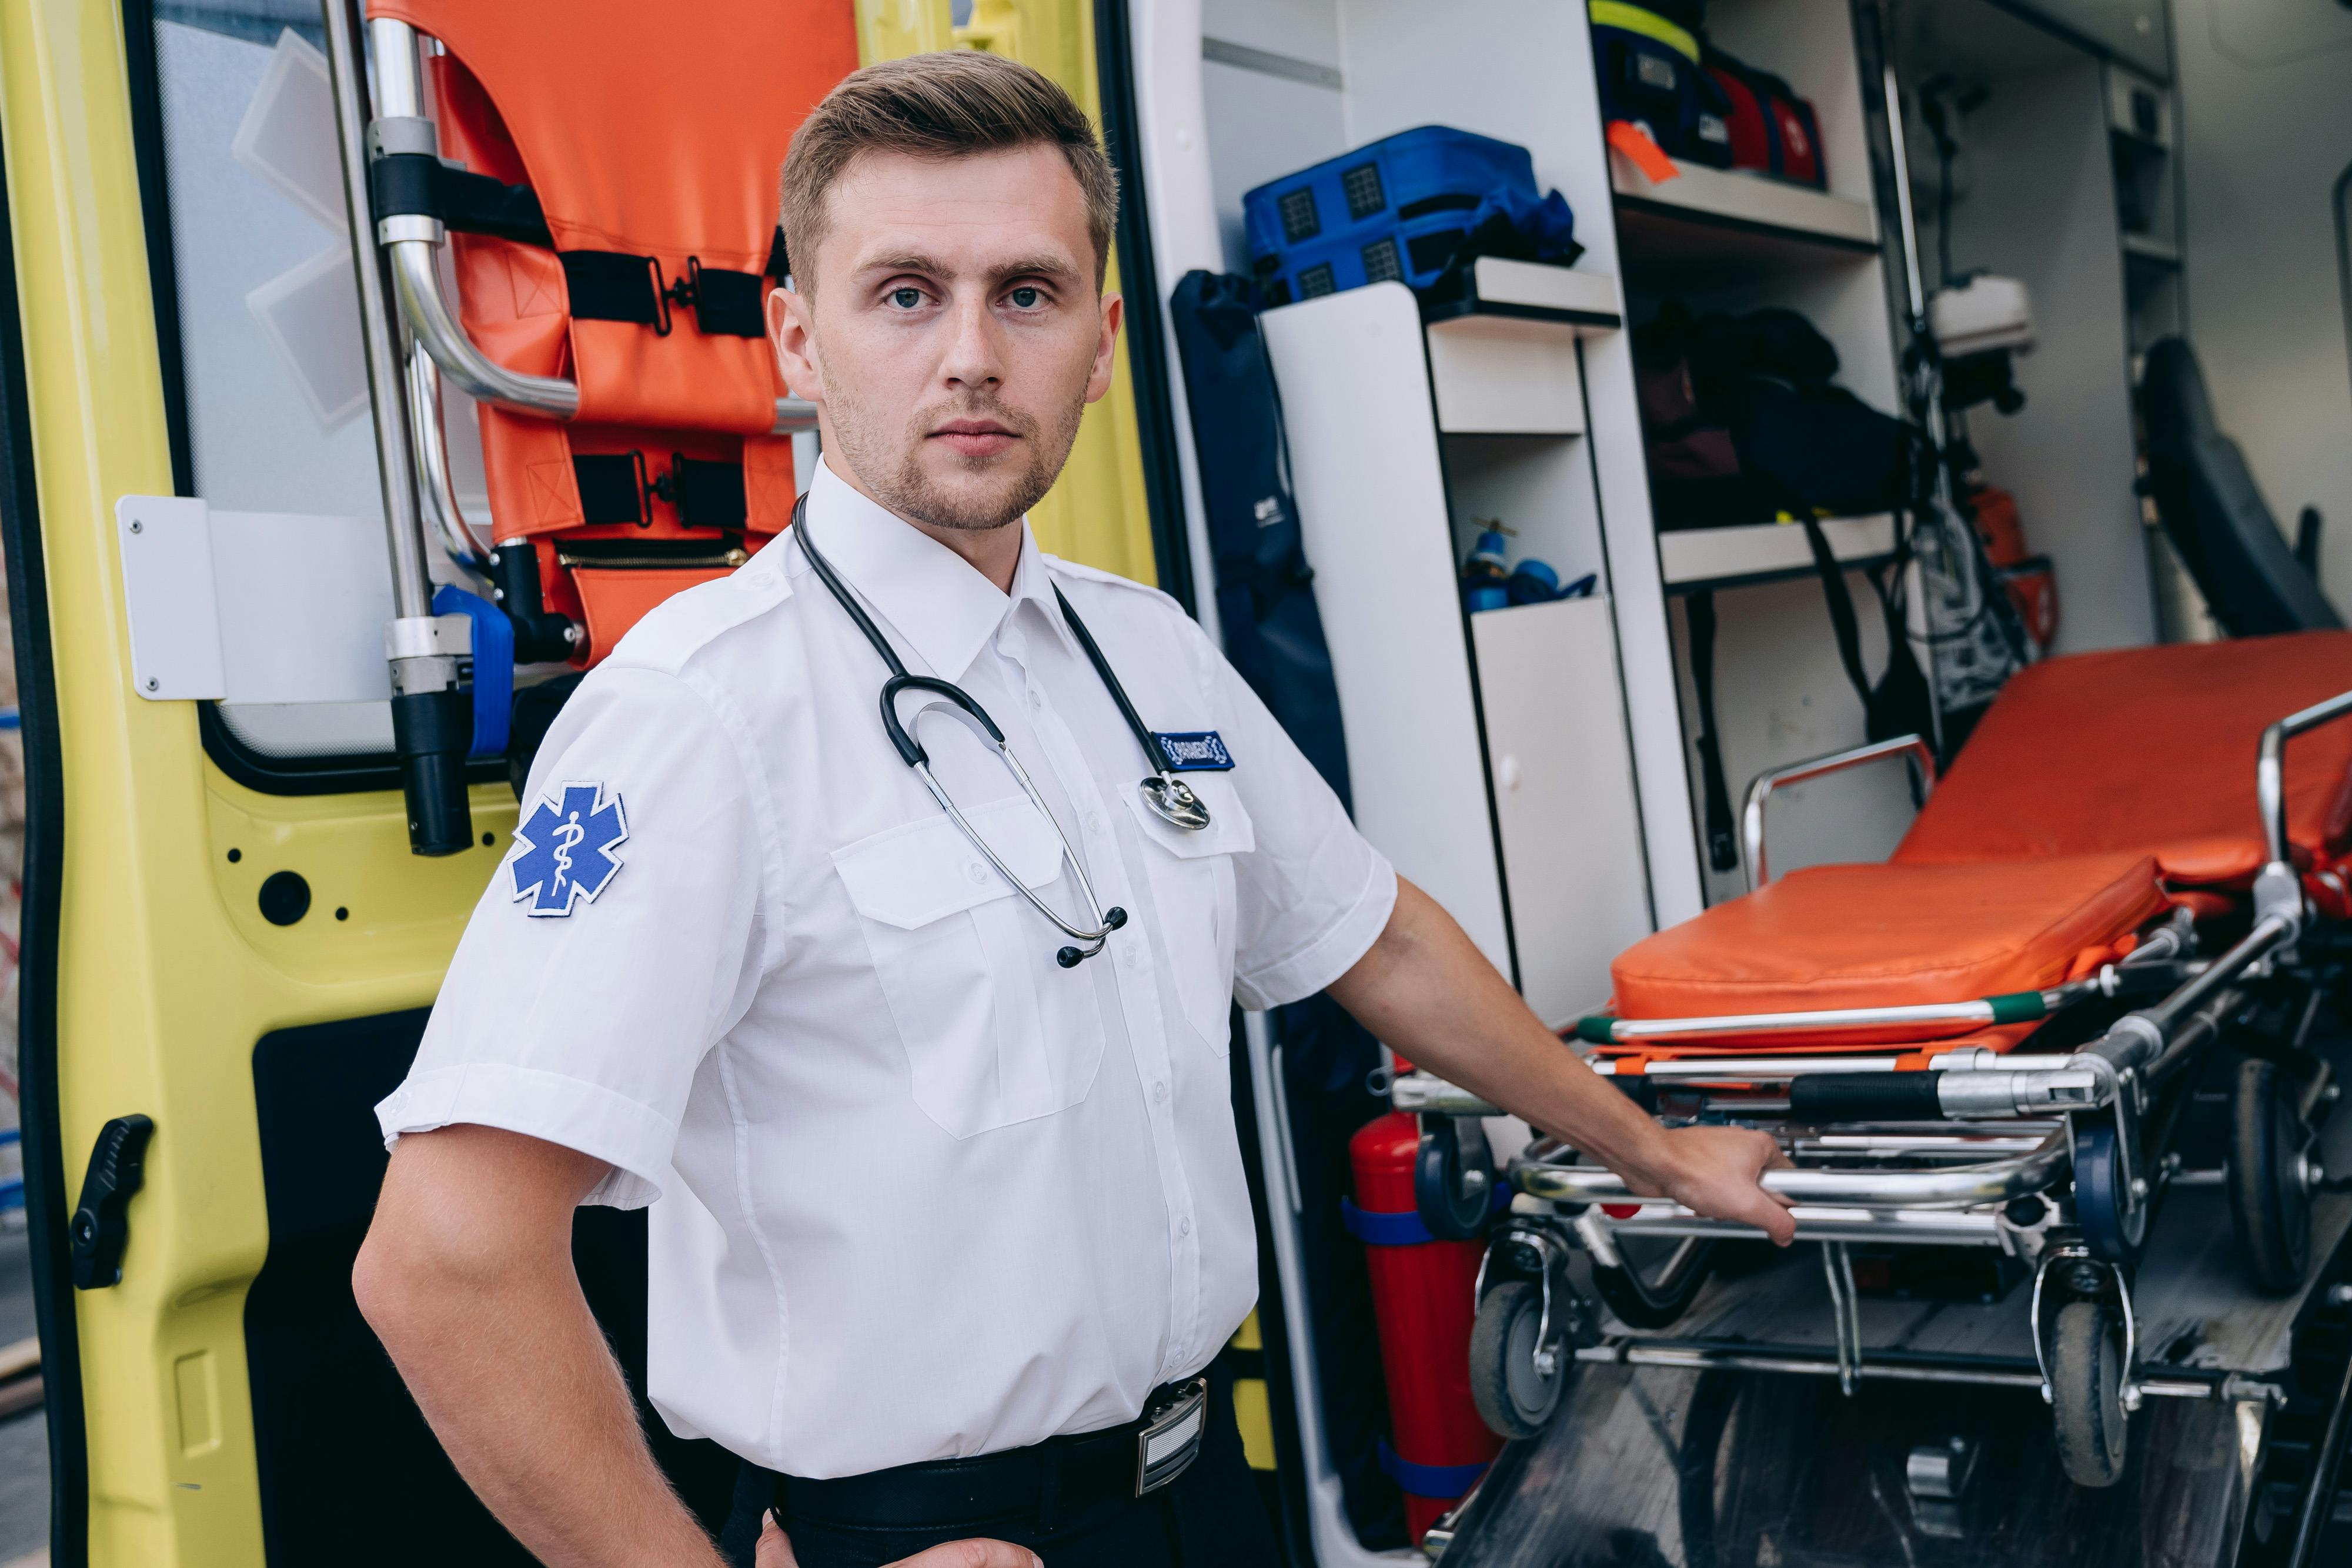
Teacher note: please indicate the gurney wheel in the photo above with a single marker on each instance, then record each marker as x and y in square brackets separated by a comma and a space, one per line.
[1454, 1178]
[2086, 1388]
[2114, 1223]
[1514, 1395]
[2270, 1176]
[1658, 1299]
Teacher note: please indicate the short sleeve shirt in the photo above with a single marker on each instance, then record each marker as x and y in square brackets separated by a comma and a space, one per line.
[918, 1190]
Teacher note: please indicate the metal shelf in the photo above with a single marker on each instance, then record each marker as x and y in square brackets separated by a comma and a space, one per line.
[1709, 220]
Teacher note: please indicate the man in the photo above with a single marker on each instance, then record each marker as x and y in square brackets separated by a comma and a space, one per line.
[952, 1209]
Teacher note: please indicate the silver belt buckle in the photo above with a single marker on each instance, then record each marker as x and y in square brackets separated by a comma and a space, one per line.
[1171, 1437]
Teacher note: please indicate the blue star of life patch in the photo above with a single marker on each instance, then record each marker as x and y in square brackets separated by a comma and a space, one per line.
[568, 844]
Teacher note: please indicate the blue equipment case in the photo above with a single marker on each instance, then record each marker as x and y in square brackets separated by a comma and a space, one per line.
[1395, 209]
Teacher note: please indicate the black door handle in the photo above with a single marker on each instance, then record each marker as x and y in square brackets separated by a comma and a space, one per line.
[101, 1222]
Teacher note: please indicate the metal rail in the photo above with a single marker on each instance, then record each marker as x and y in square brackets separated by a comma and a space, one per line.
[2270, 765]
[1952, 1187]
[1696, 1356]
[411, 591]
[432, 442]
[1751, 822]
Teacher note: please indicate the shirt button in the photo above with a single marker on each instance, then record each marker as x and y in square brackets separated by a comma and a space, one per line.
[1037, 700]
[1130, 956]
[1184, 1225]
[1160, 1093]
[1094, 822]
[978, 872]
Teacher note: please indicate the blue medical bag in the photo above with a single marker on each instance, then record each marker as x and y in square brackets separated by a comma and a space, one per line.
[1395, 209]
[1647, 64]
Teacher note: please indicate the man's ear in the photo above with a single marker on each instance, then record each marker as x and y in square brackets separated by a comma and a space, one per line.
[796, 345]
[1114, 311]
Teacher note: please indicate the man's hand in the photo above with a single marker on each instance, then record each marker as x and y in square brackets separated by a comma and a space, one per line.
[1715, 1171]
[1426, 992]
[776, 1551]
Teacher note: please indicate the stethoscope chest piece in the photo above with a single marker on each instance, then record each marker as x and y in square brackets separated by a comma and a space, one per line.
[1173, 802]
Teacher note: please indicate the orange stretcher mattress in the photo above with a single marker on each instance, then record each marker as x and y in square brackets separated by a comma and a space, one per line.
[1887, 936]
[2148, 751]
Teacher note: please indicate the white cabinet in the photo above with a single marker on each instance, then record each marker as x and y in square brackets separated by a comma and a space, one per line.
[1489, 755]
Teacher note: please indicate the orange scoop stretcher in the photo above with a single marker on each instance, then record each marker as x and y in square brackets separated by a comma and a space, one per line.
[2133, 875]
[609, 209]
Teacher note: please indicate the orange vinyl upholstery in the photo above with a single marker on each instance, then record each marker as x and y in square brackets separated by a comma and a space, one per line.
[1885, 935]
[651, 142]
[2148, 751]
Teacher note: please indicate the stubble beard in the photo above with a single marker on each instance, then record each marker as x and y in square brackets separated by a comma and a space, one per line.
[915, 495]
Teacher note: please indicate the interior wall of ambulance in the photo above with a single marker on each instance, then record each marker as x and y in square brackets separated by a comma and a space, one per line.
[2267, 160]
[2261, 137]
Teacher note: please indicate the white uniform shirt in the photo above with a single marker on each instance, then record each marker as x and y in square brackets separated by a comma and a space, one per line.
[918, 1192]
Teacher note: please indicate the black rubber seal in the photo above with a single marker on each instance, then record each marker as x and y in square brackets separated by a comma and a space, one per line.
[1148, 371]
[47, 1201]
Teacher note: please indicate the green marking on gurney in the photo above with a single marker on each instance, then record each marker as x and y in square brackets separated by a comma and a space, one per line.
[1597, 1030]
[2017, 1006]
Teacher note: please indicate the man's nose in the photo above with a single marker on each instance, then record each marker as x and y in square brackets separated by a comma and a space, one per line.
[974, 357]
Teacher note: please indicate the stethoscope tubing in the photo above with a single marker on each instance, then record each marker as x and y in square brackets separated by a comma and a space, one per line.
[911, 751]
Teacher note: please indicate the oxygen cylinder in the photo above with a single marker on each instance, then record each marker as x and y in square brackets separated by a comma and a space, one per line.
[1421, 1303]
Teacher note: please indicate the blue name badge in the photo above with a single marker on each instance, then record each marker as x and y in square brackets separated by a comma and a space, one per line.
[1203, 751]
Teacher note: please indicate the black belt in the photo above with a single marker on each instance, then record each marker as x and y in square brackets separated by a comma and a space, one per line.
[1050, 1480]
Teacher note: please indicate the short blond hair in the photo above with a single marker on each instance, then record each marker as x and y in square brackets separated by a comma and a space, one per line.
[946, 105]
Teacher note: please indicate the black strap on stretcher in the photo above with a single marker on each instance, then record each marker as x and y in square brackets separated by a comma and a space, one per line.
[616, 286]
[1722, 845]
[402, 184]
[613, 488]
[605, 284]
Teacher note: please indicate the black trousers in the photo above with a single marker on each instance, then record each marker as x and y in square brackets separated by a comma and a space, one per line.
[1211, 1516]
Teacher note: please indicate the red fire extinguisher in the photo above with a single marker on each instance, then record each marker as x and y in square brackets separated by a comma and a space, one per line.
[1421, 1302]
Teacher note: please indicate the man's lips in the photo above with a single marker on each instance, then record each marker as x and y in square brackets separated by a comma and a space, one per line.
[974, 437]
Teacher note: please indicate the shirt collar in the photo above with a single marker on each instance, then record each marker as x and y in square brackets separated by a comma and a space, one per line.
[936, 602]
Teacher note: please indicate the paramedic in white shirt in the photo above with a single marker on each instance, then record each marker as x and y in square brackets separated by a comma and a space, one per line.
[921, 1193]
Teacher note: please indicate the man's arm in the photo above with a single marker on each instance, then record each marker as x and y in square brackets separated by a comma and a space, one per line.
[1426, 992]
[467, 1278]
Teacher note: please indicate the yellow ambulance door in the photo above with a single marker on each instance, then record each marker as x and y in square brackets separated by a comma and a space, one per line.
[228, 948]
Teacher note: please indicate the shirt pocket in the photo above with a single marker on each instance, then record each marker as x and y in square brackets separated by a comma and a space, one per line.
[1191, 872]
[958, 950]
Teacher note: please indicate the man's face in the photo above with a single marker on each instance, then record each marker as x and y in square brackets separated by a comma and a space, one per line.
[954, 334]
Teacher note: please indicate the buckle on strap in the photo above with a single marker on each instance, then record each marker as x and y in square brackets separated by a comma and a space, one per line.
[1169, 1439]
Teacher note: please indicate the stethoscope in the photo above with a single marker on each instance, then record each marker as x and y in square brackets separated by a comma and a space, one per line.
[1170, 798]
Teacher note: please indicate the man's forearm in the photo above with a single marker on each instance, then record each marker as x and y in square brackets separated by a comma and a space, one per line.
[486, 1321]
[1427, 991]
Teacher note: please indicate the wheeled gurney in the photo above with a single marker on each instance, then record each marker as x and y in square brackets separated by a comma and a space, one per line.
[2131, 880]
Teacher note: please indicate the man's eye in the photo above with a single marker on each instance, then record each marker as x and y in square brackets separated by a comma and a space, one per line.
[906, 298]
[1026, 298]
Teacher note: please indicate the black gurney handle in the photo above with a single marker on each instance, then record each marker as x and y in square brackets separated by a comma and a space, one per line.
[1822, 1097]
